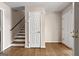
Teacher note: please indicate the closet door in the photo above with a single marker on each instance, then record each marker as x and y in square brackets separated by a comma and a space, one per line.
[68, 28]
[34, 29]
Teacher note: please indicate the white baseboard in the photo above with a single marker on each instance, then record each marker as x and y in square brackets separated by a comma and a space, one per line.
[26, 47]
[66, 45]
[43, 46]
[17, 44]
[53, 42]
[6, 47]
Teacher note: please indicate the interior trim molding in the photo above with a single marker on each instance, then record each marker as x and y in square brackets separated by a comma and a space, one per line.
[7, 47]
[58, 42]
[53, 42]
[66, 45]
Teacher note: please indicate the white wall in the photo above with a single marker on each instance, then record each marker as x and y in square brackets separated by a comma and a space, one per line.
[6, 25]
[53, 27]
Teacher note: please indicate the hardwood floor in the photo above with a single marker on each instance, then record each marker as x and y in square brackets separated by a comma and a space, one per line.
[51, 49]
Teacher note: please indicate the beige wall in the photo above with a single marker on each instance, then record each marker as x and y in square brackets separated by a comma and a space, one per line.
[6, 25]
[16, 17]
[53, 27]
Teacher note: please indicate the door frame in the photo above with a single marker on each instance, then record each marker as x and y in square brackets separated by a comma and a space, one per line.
[1, 30]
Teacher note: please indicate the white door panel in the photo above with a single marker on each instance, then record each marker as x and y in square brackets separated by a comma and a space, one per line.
[34, 29]
[68, 27]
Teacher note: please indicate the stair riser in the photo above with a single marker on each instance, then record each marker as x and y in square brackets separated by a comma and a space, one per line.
[14, 42]
[22, 28]
[20, 34]
[22, 31]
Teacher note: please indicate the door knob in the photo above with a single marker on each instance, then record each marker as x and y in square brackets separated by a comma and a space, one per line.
[75, 35]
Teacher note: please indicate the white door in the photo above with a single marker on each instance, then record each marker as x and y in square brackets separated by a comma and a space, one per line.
[68, 28]
[34, 29]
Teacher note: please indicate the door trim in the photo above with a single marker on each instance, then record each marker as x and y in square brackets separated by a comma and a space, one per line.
[1, 30]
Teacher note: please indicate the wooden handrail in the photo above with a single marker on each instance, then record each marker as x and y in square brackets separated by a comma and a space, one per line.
[17, 23]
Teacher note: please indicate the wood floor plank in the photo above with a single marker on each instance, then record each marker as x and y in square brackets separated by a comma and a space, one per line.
[51, 49]
[37, 51]
[43, 52]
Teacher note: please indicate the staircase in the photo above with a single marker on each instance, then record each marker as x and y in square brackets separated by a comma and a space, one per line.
[19, 39]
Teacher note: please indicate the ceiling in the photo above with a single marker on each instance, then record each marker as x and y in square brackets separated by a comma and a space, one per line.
[48, 6]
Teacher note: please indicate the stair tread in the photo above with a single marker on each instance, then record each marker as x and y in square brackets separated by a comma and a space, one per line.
[18, 42]
[17, 46]
[19, 36]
